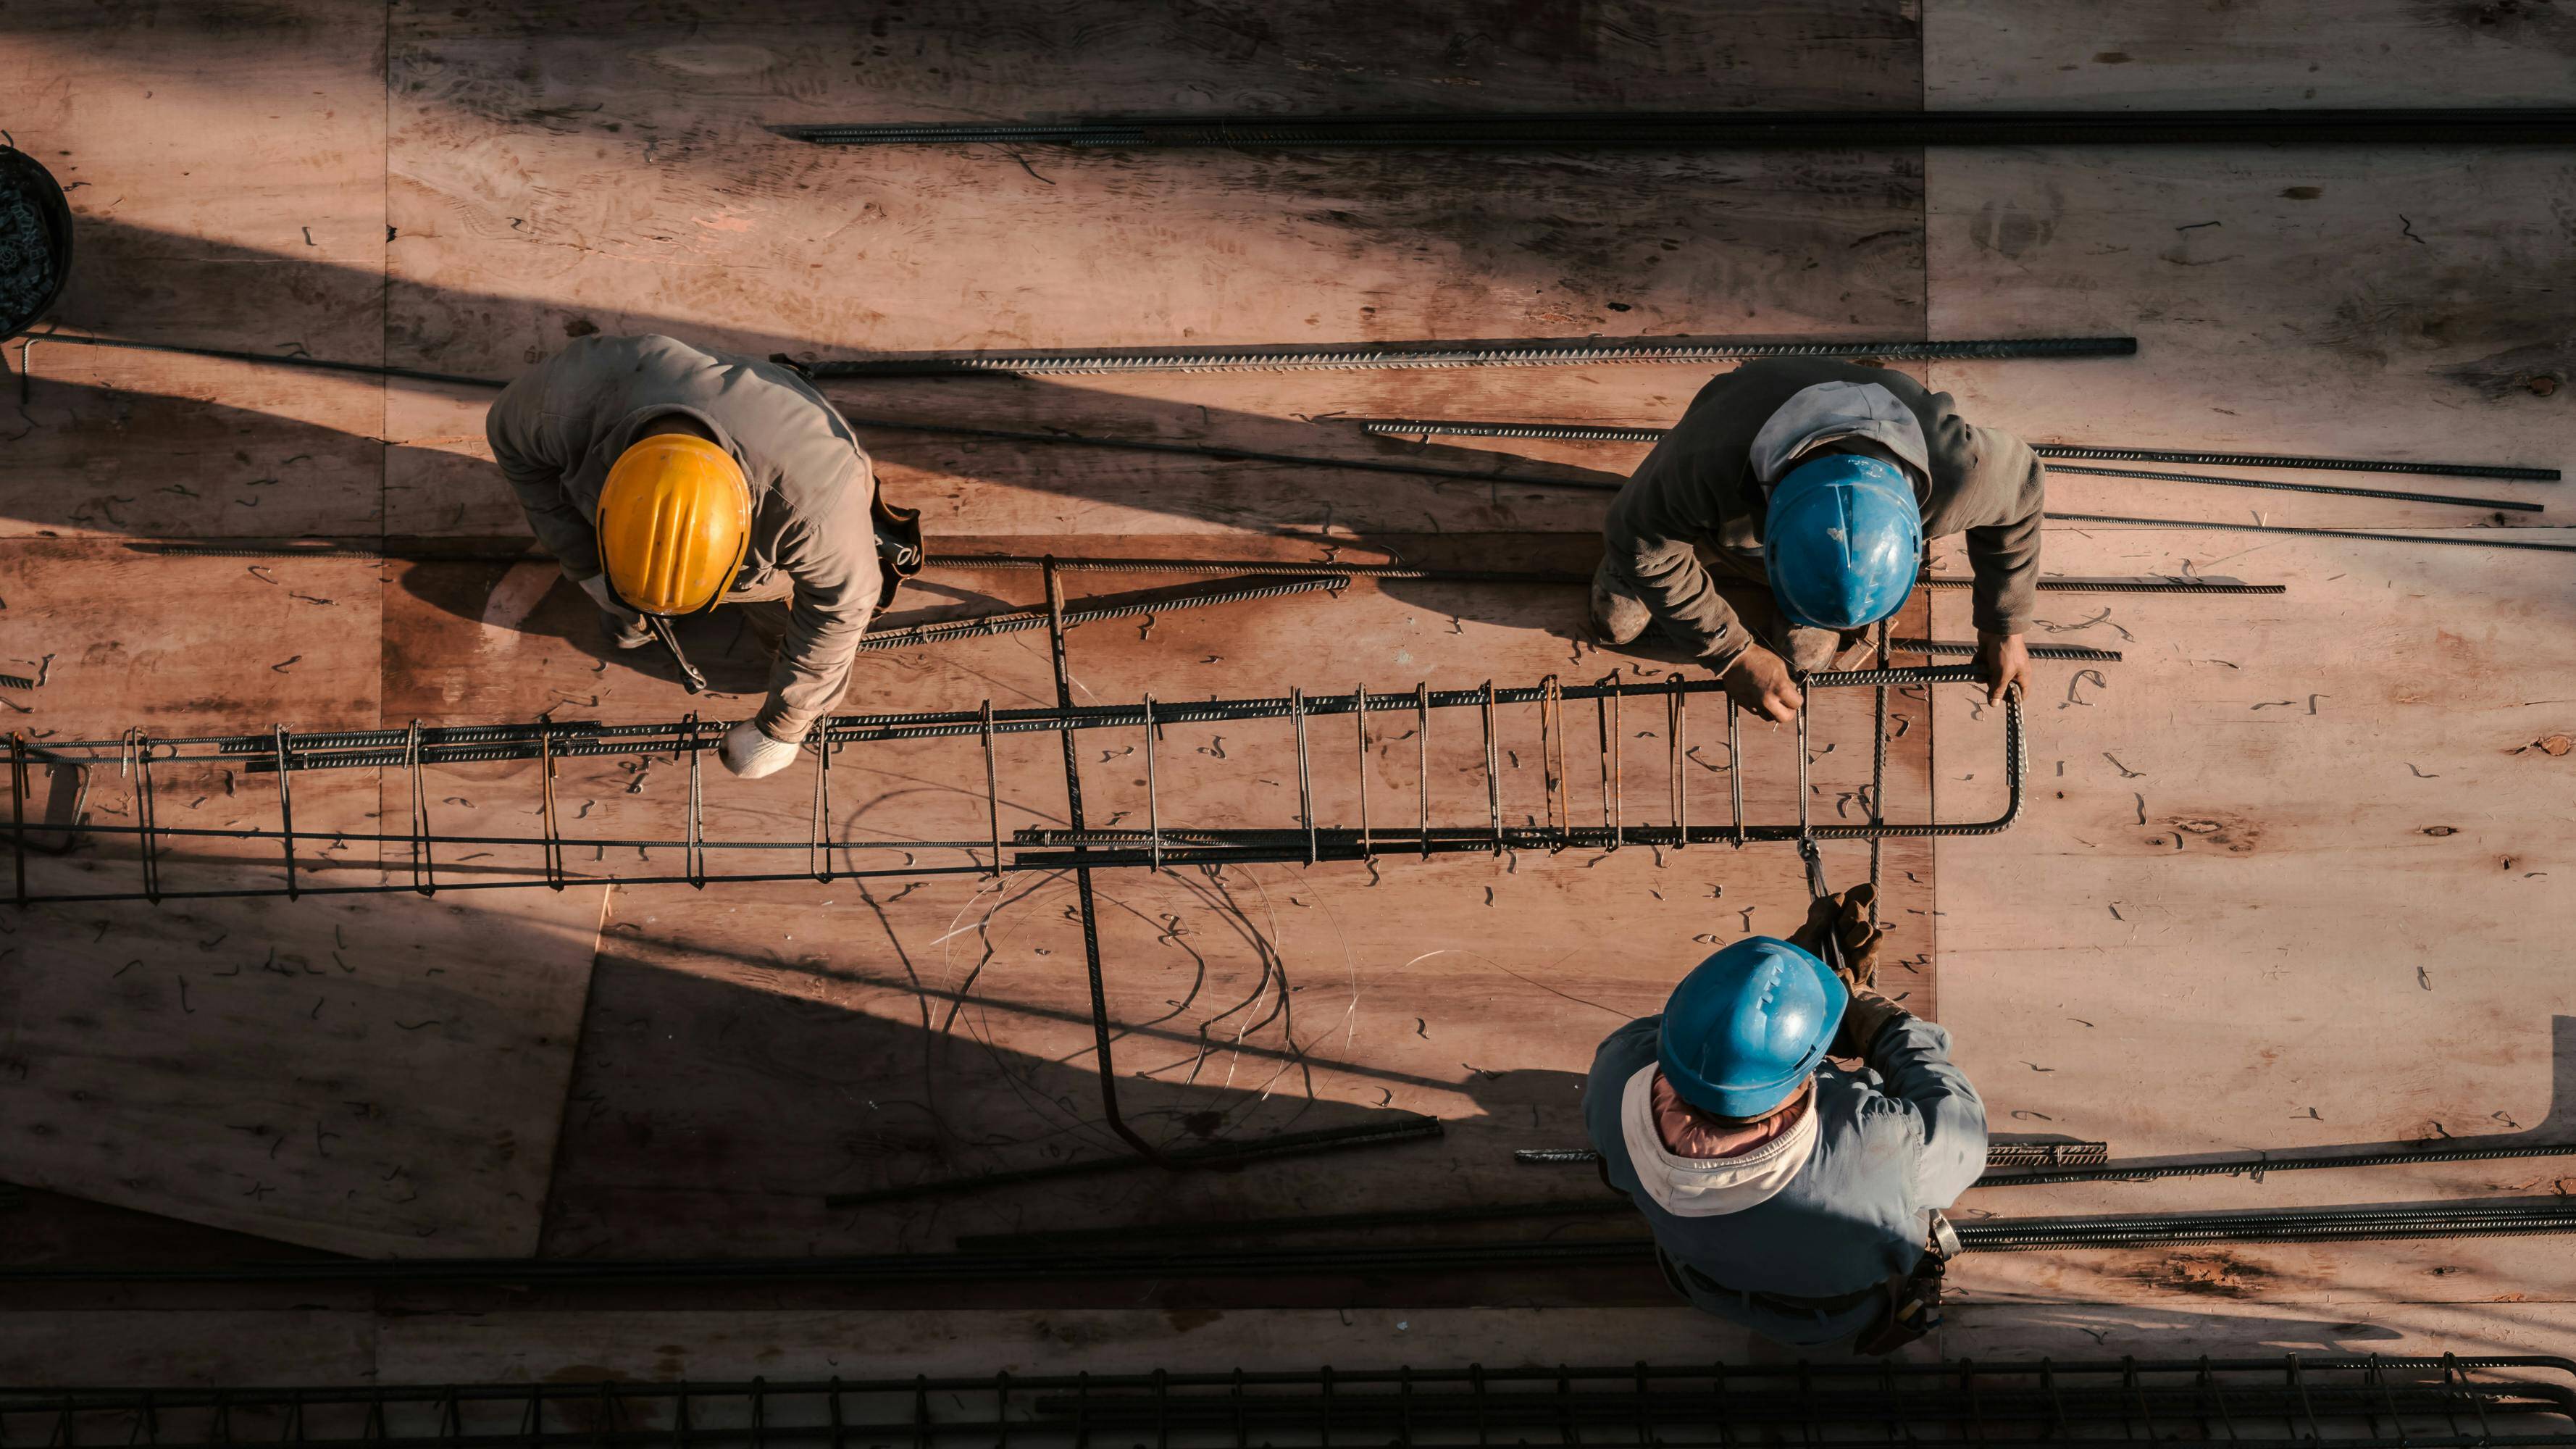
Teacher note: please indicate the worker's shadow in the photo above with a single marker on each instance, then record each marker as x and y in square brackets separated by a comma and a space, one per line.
[764, 1080]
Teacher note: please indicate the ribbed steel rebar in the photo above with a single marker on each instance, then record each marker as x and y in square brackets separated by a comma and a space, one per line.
[1613, 433]
[1967, 649]
[1534, 352]
[2390, 495]
[2262, 1165]
[2289, 1402]
[416, 748]
[1731, 130]
[446, 744]
[2454, 538]
[2467, 1219]
[1018, 620]
[2147, 584]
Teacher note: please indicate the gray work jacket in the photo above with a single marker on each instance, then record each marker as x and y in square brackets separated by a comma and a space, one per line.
[1697, 487]
[1894, 1141]
[556, 431]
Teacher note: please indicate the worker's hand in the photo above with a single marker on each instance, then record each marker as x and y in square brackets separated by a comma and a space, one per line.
[1846, 916]
[626, 628]
[2006, 662]
[1863, 1020]
[1759, 681]
[751, 754]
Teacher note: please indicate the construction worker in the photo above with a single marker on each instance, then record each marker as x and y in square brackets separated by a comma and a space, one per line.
[1788, 1194]
[1821, 479]
[667, 479]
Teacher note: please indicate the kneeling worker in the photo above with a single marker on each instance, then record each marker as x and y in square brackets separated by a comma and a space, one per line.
[667, 479]
[1821, 479]
[1788, 1194]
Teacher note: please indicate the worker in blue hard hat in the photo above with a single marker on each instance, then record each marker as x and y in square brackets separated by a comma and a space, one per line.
[1787, 1193]
[1822, 480]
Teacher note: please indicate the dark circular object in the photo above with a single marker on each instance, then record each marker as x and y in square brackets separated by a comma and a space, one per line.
[35, 240]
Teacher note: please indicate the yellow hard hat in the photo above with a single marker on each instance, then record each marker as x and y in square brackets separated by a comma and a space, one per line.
[674, 521]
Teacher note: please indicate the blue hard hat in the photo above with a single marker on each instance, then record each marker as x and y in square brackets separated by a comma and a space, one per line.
[1747, 1026]
[1842, 541]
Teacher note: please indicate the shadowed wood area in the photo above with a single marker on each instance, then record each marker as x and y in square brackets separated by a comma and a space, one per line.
[2289, 877]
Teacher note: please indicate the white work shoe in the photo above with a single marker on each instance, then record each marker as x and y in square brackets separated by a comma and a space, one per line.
[749, 753]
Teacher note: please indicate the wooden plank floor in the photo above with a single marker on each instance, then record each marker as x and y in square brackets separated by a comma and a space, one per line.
[2222, 927]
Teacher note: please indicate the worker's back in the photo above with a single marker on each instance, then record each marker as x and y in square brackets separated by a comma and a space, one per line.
[1747, 1237]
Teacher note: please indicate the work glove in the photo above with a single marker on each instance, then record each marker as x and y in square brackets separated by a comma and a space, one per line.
[1863, 1020]
[751, 754]
[1846, 917]
[626, 628]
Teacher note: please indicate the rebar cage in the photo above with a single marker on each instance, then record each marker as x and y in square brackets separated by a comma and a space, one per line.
[308, 860]
[2327, 1401]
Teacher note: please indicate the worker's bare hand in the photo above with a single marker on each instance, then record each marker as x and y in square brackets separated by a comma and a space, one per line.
[1759, 681]
[2006, 662]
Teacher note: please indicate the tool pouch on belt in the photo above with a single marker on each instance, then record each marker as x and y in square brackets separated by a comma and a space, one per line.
[898, 548]
[1913, 1306]
[898, 529]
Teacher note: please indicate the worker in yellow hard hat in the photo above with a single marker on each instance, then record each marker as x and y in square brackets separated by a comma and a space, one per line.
[667, 479]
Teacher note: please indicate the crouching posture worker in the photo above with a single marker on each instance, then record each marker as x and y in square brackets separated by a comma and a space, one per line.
[666, 479]
[1793, 1196]
[1821, 479]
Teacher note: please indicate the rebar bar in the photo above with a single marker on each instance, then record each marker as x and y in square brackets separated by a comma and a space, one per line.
[2499, 505]
[1224, 454]
[2456, 538]
[2324, 1401]
[1386, 1130]
[1513, 352]
[2471, 1218]
[2263, 1164]
[417, 749]
[1735, 130]
[2135, 584]
[1100, 1024]
[1967, 649]
[1195, 596]
[1612, 433]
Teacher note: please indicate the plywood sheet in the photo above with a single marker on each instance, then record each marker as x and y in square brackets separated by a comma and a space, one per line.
[579, 1347]
[2378, 303]
[629, 186]
[2291, 885]
[2281, 54]
[755, 1047]
[225, 170]
[377, 1075]
[207, 1349]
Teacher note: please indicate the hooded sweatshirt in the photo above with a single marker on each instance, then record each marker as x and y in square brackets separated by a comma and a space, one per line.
[1699, 487]
[557, 430]
[1837, 1202]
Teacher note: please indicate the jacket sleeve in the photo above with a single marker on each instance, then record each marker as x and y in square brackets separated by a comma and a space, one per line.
[531, 453]
[1649, 542]
[1613, 1063]
[832, 559]
[2004, 554]
[1912, 1058]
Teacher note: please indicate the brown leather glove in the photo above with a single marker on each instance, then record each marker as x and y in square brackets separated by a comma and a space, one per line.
[1846, 916]
[1867, 1016]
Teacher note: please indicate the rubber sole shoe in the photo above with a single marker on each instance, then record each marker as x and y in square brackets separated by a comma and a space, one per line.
[1618, 617]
